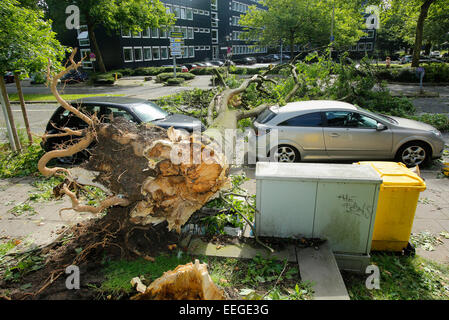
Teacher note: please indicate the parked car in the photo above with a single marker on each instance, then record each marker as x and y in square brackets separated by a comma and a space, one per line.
[209, 64]
[191, 66]
[285, 57]
[131, 109]
[271, 58]
[75, 76]
[435, 54]
[246, 60]
[200, 64]
[218, 63]
[332, 130]
[406, 59]
[183, 67]
[9, 77]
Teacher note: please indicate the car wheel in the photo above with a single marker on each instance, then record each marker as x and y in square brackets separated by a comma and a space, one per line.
[414, 154]
[285, 153]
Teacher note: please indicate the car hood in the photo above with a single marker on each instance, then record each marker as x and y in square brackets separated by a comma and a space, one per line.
[412, 124]
[179, 121]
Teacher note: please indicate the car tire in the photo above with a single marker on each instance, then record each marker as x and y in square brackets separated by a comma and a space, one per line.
[284, 153]
[414, 154]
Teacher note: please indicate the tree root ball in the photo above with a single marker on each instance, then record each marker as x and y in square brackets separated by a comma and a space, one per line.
[166, 175]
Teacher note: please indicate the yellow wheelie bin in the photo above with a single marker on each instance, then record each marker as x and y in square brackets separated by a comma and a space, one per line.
[396, 207]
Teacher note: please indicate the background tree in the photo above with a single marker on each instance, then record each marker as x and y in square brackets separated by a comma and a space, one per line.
[304, 22]
[27, 42]
[113, 15]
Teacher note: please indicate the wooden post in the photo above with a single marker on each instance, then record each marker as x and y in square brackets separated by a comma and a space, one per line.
[24, 110]
[9, 112]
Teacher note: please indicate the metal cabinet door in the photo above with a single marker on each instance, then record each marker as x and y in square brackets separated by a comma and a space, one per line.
[345, 215]
[286, 208]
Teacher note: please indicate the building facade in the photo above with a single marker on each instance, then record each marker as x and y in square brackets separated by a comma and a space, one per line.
[210, 27]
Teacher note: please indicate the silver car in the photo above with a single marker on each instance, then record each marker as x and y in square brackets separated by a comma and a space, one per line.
[333, 130]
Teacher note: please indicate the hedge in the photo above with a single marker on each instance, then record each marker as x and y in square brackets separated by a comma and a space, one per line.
[435, 73]
[175, 81]
[163, 77]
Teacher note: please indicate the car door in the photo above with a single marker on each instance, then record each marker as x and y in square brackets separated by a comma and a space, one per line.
[306, 133]
[353, 135]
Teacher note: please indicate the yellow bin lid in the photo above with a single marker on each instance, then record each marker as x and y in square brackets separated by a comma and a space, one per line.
[396, 174]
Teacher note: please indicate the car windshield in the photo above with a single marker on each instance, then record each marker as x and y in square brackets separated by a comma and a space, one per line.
[265, 116]
[148, 112]
[382, 116]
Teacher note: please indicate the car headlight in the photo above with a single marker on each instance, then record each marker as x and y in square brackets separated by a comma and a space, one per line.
[436, 132]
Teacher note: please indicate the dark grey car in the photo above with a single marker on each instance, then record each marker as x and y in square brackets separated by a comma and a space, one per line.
[134, 110]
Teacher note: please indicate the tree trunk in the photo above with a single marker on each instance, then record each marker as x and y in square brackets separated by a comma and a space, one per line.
[24, 110]
[419, 32]
[292, 50]
[10, 114]
[96, 48]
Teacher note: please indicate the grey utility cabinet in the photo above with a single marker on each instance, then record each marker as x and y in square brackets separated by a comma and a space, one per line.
[336, 202]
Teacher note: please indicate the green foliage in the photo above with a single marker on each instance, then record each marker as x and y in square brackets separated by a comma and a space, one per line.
[118, 274]
[435, 73]
[21, 208]
[45, 188]
[402, 278]
[305, 22]
[180, 77]
[6, 247]
[25, 265]
[14, 164]
[439, 121]
[175, 81]
[261, 270]
[27, 41]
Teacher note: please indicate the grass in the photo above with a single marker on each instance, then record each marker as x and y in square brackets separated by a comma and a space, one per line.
[402, 278]
[119, 273]
[50, 97]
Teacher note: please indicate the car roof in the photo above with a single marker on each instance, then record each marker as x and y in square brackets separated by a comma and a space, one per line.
[104, 100]
[315, 105]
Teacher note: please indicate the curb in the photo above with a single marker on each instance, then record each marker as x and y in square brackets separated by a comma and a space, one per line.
[35, 102]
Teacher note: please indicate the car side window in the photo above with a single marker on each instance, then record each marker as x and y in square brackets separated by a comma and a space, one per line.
[357, 120]
[307, 120]
[114, 112]
[337, 119]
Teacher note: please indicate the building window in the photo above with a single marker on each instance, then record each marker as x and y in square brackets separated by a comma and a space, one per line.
[369, 46]
[136, 34]
[147, 54]
[191, 52]
[156, 53]
[184, 32]
[190, 33]
[196, 29]
[183, 13]
[164, 53]
[189, 14]
[370, 34]
[213, 4]
[146, 33]
[214, 19]
[195, 11]
[214, 36]
[207, 48]
[154, 32]
[197, 48]
[138, 54]
[83, 37]
[362, 46]
[207, 30]
[126, 34]
[128, 54]
[177, 11]
[168, 8]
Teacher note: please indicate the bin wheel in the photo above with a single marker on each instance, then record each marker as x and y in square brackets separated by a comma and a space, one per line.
[410, 250]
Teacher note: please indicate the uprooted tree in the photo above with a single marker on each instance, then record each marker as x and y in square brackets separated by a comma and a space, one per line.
[160, 175]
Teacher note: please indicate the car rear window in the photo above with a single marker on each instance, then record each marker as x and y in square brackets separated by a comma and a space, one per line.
[265, 116]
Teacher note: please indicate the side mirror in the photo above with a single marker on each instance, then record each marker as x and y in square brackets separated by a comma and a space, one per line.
[381, 127]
